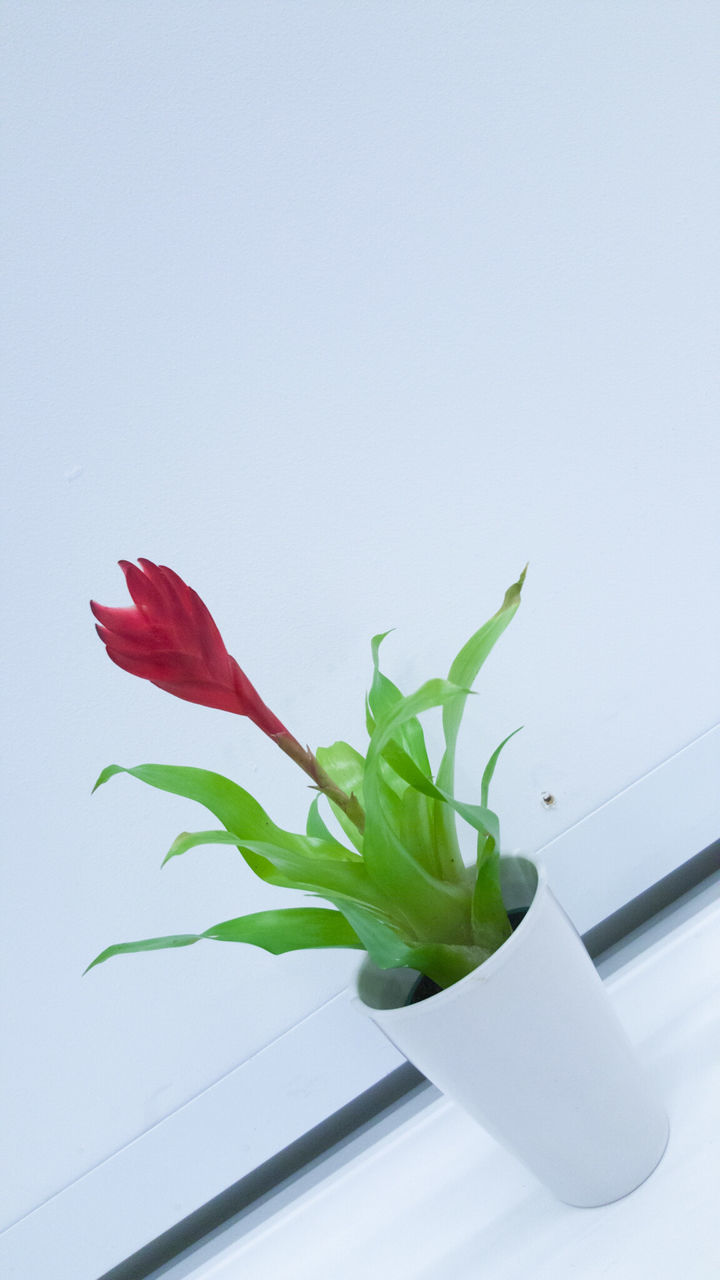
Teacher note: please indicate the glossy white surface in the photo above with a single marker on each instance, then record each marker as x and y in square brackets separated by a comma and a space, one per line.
[435, 1198]
[529, 1046]
[320, 1064]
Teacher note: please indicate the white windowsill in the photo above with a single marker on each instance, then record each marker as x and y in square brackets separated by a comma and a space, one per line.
[425, 1194]
[333, 1056]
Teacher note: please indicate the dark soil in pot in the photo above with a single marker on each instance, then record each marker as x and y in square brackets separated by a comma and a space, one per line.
[425, 987]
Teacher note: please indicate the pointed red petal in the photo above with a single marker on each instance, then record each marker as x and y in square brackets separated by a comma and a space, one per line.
[143, 591]
[157, 581]
[174, 586]
[122, 622]
[208, 637]
[174, 669]
[206, 695]
[152, 640]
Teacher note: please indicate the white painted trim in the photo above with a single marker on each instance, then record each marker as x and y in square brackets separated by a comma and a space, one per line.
[642, 834]
[200, 1150]
[615, 853]
[428, 1194]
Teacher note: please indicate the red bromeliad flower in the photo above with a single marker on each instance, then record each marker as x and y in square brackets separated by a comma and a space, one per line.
[169, 637]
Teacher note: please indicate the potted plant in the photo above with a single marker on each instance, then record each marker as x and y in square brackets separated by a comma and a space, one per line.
[517, 1026]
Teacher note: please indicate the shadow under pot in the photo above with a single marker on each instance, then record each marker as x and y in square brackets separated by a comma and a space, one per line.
[528, 1044]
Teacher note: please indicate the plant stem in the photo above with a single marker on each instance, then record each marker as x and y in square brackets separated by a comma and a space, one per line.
[304, 757]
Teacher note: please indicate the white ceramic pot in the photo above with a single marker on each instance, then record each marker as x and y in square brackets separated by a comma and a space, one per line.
[530, 1046]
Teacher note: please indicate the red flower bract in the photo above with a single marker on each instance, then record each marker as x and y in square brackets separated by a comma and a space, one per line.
[169, 637]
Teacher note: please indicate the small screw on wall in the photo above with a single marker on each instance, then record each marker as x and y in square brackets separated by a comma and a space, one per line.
[548, 800]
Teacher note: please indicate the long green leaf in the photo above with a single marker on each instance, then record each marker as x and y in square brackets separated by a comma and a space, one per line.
[291, 929]
[490, 768]
[320, 866]
[478, 816]
[238, 811]
[293, 869]
[446, 963]
[146, 944]
[382, 693]
[464, 672]
[385, 939]
[392, 864]
[390, 947]
[491, 926]
[236, 808]
[279, 857]
[416, 812]
[414, 824]
[190, 839]
[382, 698]
[315, 825]
[465, 669]
[346, 767]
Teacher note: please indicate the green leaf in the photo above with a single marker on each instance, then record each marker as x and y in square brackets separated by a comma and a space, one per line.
[315, 825]
[382, 698]
[383, 693]
[281, 858]
[490, 768]
[491, 926]
[464, 672]
[346, 767]
[239, 812]
[410, 809]
[147, 944]
[291, 929]
[236, 808]
[317, 868]
[318, 865]
[390, 947]
[414, 824]
[478, 816]
[190, 839]
[466, 667]
[383, 938]
[429, 902]
[446, 963]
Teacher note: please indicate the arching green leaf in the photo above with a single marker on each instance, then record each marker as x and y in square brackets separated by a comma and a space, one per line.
[190, 839]
[464, 672]
[346, 767]
[291, 929]
[491, 926]
[382, 698]
[490, 768]
[395, 867]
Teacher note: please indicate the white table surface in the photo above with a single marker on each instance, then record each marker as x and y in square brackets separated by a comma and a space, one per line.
[428, 1196]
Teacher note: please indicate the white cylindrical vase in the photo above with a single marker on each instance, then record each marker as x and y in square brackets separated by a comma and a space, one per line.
[529, 1045]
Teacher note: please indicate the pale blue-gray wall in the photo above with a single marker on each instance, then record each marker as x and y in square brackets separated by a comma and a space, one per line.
[344, 312]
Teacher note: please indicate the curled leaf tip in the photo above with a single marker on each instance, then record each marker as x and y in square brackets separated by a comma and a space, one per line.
[108, 772]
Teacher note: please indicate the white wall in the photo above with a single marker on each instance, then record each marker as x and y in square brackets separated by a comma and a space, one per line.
[344, 312]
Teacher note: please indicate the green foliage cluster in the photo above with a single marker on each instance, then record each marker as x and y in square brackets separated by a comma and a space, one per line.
[399, 889]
